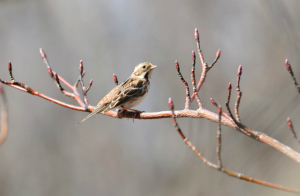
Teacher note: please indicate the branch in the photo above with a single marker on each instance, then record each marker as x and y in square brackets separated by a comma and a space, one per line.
[219, 167]
[290, 70]
[228, 120]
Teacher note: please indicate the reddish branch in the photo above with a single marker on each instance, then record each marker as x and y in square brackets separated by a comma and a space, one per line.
[219, 166]
[229, 120]
[239, 94]
[290, 70]
[187, 89]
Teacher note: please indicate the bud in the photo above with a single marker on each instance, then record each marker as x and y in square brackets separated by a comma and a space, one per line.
[83, 74]
[290, 124]
[115, 79]
[9, 66]
[91, 82]
[288, 65]
[43, 55]
[213, 101]
[218, 54]
[80, 65]
[193, 54]
[219, 110]
[171, 105]
[196, 34]
[240, 70]
[177, 65]
[229, 86]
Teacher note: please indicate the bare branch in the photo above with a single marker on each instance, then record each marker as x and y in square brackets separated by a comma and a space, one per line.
[239, 94]
[289, 68]
[187, 89]
[219, 167]
[195, 93]
[219, 137]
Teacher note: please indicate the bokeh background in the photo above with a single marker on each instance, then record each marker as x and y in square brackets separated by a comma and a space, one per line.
[46, 154]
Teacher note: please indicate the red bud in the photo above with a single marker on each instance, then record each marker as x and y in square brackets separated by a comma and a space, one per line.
[43, 55]
[196, 34]
[213, 101]
[240, 70]
[9, 66]
[91, 82]
[229, 86]
[193, 54]
[171, 105]
[177, 65]
[80, 65]
[288, 65]
[290, 124]
[115, 78]
[218, 54]
[219, 110]
[83, 74]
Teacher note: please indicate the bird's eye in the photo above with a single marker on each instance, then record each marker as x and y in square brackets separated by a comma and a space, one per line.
[144, 66]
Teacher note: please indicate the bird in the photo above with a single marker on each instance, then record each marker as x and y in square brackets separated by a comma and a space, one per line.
[129, 93]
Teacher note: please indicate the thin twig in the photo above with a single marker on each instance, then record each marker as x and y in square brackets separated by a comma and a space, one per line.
[227, 104]
[219, 138]
[90, 85]
[217, 167]
[239, 94]
[84, 91]
[289, 68]
[217, 58]
[205, 67]
[223, 113]
[75, 95]
[187, 89]
[290, 124]
[195, 93]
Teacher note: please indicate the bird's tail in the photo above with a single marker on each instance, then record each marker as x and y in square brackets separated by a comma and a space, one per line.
[95, 111]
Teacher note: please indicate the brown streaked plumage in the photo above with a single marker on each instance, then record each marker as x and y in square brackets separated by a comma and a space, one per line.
[128, 94]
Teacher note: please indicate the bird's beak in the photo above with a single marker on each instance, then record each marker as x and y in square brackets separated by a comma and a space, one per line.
[153, 67]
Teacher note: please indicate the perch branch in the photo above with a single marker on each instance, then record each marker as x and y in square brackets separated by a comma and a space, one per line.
[229, 120]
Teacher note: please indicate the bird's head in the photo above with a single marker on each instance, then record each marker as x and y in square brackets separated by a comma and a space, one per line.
[143, 70]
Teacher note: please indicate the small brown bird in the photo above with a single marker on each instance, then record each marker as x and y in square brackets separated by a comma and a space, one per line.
[128, 94]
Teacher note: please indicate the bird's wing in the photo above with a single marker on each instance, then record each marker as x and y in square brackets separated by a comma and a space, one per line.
[127, 95]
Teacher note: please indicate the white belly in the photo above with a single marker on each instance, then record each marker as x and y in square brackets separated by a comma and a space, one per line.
[134, 102]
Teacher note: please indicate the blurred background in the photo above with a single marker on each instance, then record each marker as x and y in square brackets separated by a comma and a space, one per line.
[46, 154]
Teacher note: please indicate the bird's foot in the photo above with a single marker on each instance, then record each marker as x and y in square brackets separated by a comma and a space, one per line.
[135, 112]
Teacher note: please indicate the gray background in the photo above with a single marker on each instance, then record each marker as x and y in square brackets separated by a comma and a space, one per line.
[46, 154]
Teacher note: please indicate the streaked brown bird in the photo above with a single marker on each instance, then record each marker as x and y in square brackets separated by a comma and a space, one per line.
[128, 94]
